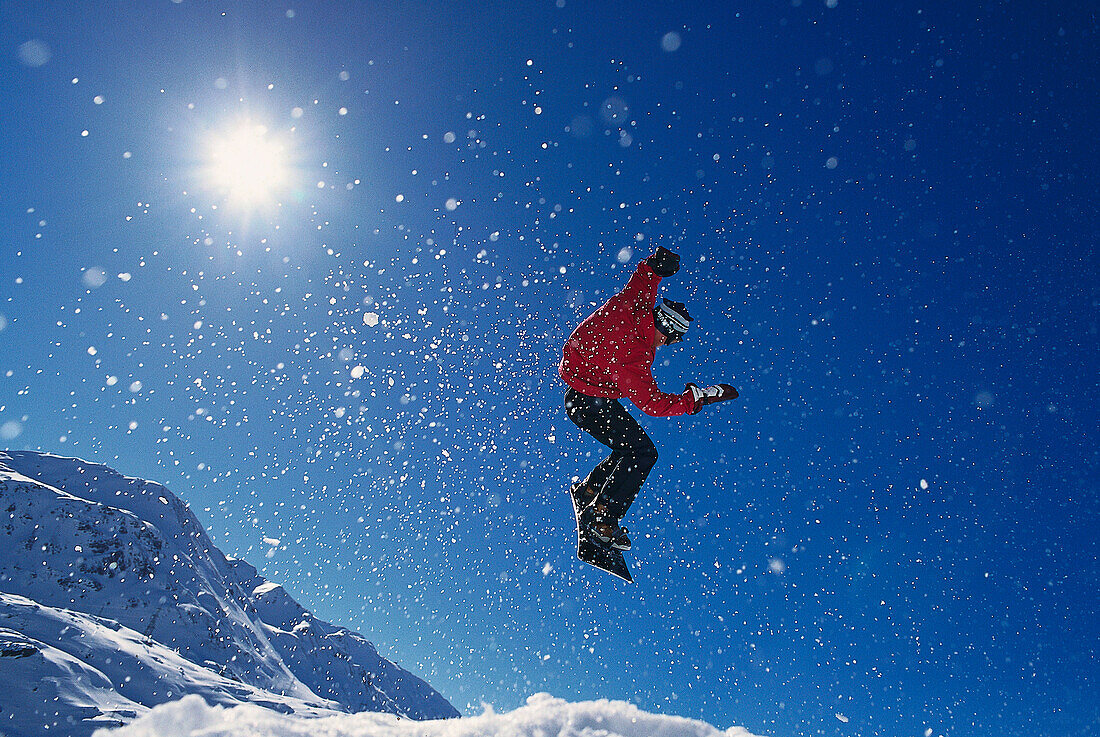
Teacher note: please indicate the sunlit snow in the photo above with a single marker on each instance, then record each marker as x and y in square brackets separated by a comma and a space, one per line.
[543, 716]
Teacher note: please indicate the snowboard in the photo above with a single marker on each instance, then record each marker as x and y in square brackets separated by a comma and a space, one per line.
[595, 554]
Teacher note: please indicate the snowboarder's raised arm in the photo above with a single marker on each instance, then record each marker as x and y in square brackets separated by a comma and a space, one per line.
[643, 283]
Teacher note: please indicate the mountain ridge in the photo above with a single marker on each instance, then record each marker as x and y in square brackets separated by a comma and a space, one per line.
[113, 599]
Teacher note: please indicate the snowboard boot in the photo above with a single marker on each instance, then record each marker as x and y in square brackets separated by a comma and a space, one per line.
[610, 535]
[605, 529]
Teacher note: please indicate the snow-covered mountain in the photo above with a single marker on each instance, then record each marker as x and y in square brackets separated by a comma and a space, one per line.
[114, 599]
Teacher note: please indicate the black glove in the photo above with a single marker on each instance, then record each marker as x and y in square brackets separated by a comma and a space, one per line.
[711, 394]
[664, 262]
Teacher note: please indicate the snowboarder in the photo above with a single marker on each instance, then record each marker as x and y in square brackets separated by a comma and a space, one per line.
[608, 357]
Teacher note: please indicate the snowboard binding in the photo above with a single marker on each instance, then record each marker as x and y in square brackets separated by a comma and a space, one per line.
[609, 534]
[594, 525]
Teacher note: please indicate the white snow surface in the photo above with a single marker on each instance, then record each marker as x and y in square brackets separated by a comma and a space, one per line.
[113, 599]
[543, 716]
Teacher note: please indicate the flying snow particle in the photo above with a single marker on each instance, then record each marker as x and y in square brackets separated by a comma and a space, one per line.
[924, 484]
[625, 254]
[125, 276]
[10, 430]
[94, 277]
[451, 204]
[370, 319]
[547, 569]
[449, 137]
[135, 387]
[671, 41]
[614, 110]
[841, 717]
[831, 162]
[34, 53]
[357, 372]
[776, 565]
[3, 322]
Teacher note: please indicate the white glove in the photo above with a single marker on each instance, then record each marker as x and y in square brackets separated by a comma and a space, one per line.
[711, 394]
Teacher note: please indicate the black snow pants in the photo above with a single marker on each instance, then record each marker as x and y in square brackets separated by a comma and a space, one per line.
[617, 478]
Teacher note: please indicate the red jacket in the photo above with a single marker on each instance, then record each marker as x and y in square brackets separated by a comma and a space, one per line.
[610, 354]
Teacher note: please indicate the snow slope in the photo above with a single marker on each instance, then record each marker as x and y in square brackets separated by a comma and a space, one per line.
[543, 716]
[113, 599]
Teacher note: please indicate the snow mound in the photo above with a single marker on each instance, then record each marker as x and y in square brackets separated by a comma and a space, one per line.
[543, 716]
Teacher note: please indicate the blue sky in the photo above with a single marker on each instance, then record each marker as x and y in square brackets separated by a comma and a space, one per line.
[887, 226]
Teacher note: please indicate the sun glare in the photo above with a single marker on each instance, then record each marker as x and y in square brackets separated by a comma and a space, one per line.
[248, 165]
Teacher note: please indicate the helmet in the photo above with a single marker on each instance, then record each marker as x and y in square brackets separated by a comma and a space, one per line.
[672, 319]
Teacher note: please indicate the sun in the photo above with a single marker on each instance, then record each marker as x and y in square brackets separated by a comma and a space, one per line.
[247, 164]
